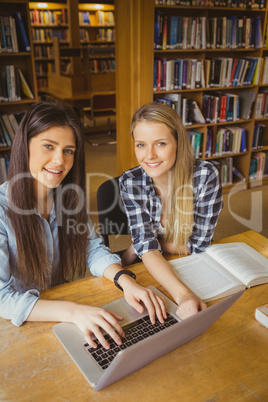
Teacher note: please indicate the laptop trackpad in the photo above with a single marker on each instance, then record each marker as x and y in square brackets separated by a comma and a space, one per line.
[122, 308]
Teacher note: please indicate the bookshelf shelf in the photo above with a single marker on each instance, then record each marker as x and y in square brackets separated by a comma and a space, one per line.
[3, 149]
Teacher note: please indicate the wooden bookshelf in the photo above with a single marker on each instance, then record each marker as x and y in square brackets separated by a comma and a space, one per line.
[97, 32]
[47, 20]
[140, 75]
[19, 59]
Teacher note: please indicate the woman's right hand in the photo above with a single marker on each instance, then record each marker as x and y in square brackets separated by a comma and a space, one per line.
[91, 320]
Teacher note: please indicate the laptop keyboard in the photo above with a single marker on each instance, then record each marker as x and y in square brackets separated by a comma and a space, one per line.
[135, 332]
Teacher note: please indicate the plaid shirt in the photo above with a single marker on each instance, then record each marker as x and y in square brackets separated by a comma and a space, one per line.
[143, 207]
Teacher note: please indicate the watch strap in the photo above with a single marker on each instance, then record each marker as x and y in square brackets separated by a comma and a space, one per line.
[123, 272]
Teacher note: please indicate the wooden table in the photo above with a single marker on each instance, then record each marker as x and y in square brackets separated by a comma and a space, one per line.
[229, 362]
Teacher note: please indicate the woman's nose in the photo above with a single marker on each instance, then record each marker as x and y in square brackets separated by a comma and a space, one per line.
[58, 158]
[151, 152]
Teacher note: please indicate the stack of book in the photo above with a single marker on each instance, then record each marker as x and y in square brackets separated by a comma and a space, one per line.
[261, 109]
[49, 17]
[225, 168]
[220, 107]
[13, 35]
[225, 140]
[187, 109]
[256, 4]
[196, 140]
[258, 166]
[234, 32]
[4, 164]
[8, 128]
[258, 136]
[211, 73]
[178, 74]
[46, 35]
[13, 85]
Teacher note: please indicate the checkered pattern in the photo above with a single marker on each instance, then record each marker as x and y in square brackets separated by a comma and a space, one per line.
[143, 207]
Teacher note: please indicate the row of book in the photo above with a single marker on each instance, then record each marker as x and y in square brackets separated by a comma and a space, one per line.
[187, 109]
[43, 68]
[216, 107]
[106, 51]
[261, 109]
[102, 66]
[196, 140]
[256, 4]
[4, 164]
[228, 173]
[47, 34]
[103, 35]
[220, 107]
[258, 136]
[8, 127]
[43, 51]
[13, 35]
[13, 85]
[49, 17]
[211, 73]
[41, 82]
[228, 32]
[100, 18]
[258, 166]
[264, 80]
[225, 140]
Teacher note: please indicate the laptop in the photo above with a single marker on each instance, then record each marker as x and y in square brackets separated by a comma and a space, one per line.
[144, 342]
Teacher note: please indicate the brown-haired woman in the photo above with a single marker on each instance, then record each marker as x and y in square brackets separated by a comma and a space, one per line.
[46, 236]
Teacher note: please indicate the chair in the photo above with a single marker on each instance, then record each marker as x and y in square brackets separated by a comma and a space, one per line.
[112, 216]
[101, 113]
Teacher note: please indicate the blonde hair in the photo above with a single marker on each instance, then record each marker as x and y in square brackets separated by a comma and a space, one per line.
[179, 208]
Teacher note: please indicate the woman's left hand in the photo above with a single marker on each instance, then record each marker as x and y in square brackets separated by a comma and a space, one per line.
[189, 304]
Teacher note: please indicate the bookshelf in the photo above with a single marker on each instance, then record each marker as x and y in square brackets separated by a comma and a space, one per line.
[97, 32]
[145, 86]
[46, 23]
[12, 59]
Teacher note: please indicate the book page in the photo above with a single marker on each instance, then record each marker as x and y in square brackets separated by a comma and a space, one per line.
[242, 261]
[205, 277]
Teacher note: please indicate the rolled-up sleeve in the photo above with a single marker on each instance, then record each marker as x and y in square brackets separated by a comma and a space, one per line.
[15, 306]
[99, 257]
[208, 205]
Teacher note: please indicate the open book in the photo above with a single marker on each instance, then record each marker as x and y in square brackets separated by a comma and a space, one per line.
[221, 270]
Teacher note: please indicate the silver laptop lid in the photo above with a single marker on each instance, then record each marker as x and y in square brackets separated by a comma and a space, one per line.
[143, 352]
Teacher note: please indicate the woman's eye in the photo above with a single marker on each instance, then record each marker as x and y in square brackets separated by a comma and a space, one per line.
[48, 146]
[69, 151]
[161, 144]
[140, 145]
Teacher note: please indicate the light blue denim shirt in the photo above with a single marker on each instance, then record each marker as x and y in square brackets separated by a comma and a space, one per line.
[17, 299]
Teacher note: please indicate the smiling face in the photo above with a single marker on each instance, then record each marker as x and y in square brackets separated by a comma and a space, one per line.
[51, 156]
[155, 149]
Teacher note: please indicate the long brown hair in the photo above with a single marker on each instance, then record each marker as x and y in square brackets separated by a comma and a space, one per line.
[179, 208]
[32, 265]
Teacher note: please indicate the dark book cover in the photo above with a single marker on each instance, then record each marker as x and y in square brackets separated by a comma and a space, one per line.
[21, 33]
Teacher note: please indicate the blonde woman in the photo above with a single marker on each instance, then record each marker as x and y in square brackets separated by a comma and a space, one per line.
[172, 200]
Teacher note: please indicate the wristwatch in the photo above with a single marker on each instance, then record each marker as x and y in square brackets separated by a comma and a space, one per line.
[123, 272]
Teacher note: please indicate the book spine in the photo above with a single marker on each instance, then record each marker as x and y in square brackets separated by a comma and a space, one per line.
[25, 46]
